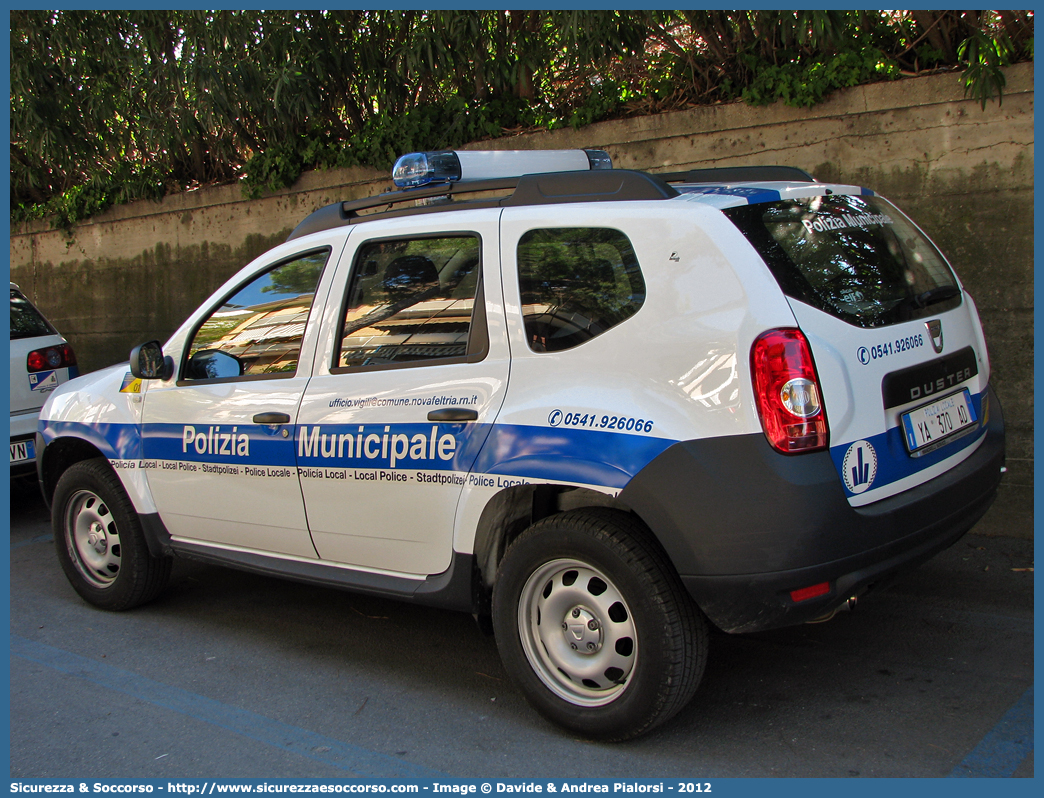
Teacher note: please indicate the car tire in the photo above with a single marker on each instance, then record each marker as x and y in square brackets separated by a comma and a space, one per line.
[99, 539]
[595, 627]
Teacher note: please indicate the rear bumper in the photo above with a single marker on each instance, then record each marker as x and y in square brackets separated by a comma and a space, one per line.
[745, 526]
[23, 428]
[24, 422]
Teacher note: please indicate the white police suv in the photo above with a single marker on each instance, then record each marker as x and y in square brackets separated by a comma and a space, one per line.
[598, 408]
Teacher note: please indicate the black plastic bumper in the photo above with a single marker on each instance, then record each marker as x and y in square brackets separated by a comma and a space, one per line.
[745, 525]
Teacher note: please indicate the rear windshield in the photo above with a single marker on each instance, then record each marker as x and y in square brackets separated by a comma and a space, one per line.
[857, 258]
[26, 321]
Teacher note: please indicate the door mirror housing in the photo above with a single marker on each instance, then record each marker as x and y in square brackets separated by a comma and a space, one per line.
[147, 362]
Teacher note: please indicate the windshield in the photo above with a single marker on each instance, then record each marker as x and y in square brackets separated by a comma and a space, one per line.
[858, 258]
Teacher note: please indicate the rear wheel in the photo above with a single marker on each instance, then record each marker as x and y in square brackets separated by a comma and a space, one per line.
[595, 627]
[99, 541]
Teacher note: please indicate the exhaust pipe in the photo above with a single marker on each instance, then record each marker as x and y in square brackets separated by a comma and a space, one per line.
[846, 606]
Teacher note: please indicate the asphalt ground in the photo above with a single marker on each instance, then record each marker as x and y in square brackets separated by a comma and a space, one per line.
[232, 675]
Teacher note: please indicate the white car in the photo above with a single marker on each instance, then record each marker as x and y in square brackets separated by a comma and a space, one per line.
[40, 360]
[598, 409]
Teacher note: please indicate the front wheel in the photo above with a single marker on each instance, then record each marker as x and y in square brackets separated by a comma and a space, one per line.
[99, 541]
[595, 627]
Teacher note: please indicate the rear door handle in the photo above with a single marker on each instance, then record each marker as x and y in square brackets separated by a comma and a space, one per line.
[272, 418]
[453, 414]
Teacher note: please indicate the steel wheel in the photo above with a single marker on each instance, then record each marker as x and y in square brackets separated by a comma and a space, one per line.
[99, 540]
[94, 539]
[594, 626]
[577, 632]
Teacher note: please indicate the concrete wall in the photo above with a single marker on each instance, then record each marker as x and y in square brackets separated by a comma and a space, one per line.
[965, 174]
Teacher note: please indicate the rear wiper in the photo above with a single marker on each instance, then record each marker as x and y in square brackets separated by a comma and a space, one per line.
[933, 295]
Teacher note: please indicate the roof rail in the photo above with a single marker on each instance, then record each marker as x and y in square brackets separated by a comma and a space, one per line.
[738, 174]
[608, 185]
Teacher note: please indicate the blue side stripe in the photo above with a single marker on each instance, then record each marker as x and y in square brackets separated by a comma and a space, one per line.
[115, 441]
[564, 454]
[591, 457]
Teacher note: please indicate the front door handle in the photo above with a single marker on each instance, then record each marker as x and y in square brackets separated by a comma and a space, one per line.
[272, 418]
[453, 414]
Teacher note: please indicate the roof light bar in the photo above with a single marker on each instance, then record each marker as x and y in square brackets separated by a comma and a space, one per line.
[421, 168]
[447, 166]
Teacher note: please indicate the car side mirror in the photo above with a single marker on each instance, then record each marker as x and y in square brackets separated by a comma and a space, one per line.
[147, 362]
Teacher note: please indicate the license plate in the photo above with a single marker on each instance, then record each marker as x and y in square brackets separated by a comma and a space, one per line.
[22, 450]
[933, 424]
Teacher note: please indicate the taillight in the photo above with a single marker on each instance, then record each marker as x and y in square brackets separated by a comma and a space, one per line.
[787, 392]
[53, 357]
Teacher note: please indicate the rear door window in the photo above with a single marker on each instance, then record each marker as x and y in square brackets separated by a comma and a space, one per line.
[414, 301]
[857, 258]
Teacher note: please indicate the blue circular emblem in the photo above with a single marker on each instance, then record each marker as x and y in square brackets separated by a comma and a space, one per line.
[859, 468]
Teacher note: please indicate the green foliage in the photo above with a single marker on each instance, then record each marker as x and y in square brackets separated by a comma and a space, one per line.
[128, 182]
[384, 137]
[984, 55]
[605, 97]
[803, 82]
[113, 106]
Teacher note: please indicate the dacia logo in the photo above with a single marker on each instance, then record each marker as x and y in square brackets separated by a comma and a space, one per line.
[935, 333]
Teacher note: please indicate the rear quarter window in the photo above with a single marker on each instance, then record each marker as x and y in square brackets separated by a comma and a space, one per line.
[857, 258]
[576, 283]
